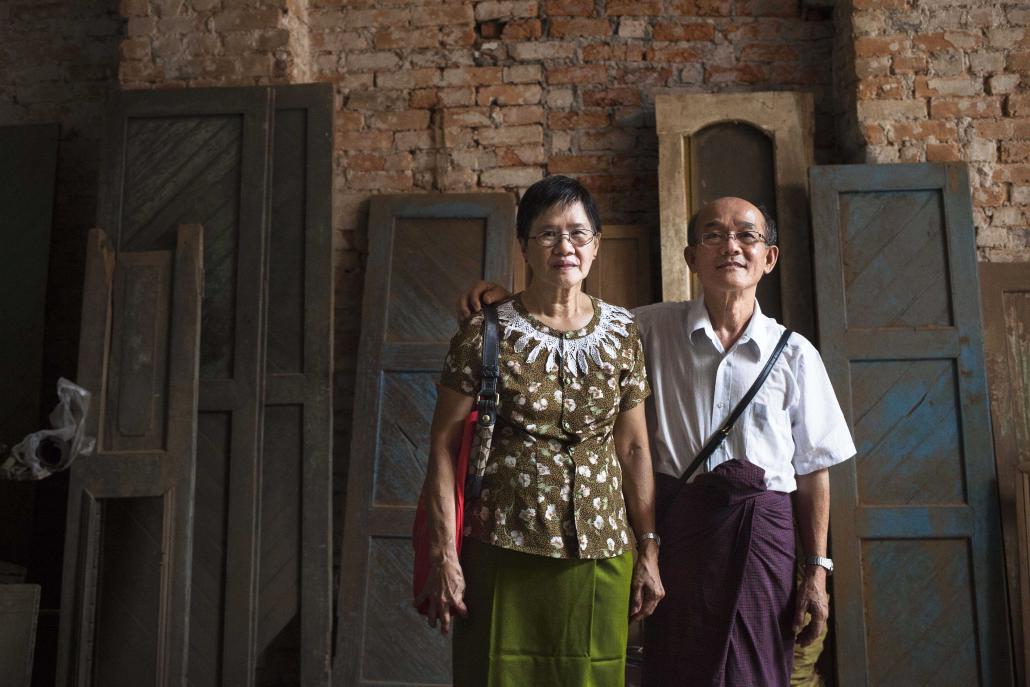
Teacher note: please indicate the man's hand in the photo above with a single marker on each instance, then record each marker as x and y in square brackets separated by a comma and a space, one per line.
[646, 589]
[811, 599]
[483, 293]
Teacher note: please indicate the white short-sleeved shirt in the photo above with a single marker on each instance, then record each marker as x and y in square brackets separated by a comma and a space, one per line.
[794, 425]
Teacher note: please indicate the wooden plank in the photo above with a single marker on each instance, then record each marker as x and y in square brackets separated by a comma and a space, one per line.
[914, 520]
[454, 239]
[19, 607]
[129, 541]
[1005, 294]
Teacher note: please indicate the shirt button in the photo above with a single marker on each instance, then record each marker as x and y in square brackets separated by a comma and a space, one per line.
[720, 404]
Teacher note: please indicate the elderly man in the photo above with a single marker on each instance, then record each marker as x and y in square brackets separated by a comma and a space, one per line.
[731, 610]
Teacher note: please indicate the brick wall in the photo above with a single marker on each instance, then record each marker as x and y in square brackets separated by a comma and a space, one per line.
[950, 80]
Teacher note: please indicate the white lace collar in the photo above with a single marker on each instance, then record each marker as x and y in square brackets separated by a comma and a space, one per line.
[576, 348]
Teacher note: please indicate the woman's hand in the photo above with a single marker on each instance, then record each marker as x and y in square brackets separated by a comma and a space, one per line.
[646, 589]
[445, 591]
[483, 293]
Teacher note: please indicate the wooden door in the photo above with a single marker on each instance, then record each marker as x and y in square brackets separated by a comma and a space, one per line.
[756, 146]
[128, 547]
[621, 275]
[423, 251]
[1005, 293]
[918, 596]
[254, 166]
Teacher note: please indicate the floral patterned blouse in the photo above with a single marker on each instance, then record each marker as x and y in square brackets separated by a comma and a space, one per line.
[553, 483]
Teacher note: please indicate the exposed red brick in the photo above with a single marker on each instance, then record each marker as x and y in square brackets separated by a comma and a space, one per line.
[880, 4]
[922, 130]
[588, 74]
[365, 140]
[1019, 105]
[768, 8]
[393, 37]
[942, 152]
[890, 87]
[615, 8]
[521, 29]
[766, 52]
[874, 134]
[349, 121]
[990, 196]
[457, 36]
[521, 114]
[621, 95]
[519, 156]
[701, 8]
[575, 164]
[572, 8]
[1015, 151]
[909, 64]
[575, 27]
[745, 73]
[366, 161]
[400, 121]
[509, 95]
[596, 119]
[448, 13]
[877, 46]
[467, 116]
[976, 108]
[1017, 174]
[677, 54]
[671, 31]
[472, 76]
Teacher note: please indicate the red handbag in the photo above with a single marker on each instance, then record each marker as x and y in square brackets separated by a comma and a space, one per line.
[479, 423]
[420, 534]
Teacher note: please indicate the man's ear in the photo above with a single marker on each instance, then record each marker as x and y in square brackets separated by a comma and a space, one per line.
[690, 255]
[522, 247]
[771, 256]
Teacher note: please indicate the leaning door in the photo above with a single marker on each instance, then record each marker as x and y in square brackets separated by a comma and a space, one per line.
[919, 596]
[423, 250]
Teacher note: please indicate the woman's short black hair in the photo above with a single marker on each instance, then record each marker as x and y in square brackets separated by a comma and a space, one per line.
[553, 191]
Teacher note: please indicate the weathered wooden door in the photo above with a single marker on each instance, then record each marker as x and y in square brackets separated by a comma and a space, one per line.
[253, 165]
[423, 250]
[621, 275]
[1005, 293]
[919, 592]
[128, 548]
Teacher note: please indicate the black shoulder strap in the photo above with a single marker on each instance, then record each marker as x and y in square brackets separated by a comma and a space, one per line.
[487, 400]
[720, 435]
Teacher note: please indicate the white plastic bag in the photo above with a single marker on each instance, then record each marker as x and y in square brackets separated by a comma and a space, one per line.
[47, 451]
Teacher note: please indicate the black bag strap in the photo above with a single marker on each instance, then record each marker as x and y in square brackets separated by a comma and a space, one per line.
[724, 431]
[488, 398]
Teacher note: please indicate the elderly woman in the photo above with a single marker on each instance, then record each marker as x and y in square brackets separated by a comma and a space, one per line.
[547, 580]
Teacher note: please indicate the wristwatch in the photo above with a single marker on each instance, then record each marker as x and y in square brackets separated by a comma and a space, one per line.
[821, 562]
[649, 535]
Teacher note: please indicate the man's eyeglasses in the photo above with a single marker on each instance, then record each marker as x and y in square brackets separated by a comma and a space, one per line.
[717, 238]
[578, 237]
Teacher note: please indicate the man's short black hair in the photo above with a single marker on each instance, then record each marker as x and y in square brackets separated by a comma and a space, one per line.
[771, 235]
[553, 191]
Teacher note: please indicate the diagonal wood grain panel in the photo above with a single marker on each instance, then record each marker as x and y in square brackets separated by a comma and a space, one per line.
[895, 260]
[400, 648]
[906, 431]
[426, 271]
[207, 592]
[408, 402]
[187, 170]
[918, 598]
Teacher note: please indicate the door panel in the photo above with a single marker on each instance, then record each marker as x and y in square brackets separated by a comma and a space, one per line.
[423, 250]
[128, 547]
[1005, 290]
[919, 597]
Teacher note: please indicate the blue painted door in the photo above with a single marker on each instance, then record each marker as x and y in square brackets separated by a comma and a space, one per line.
[422, 251]
[919, 592]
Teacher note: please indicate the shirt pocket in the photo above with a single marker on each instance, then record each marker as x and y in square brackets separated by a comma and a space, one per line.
[769, 440]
